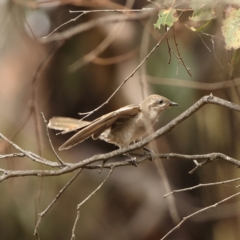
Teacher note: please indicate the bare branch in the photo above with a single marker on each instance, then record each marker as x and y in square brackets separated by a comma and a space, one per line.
[2, 156]
[202, 185]
[95, 11]
[99, 49]
[210, 157]
[85, 200]
[198, 165]
[127, 78]
[162, 131]
[194, 85]
[112, 10]
[179, 56]
[32, 99]
[43, 213]
[29, 154]
[50, 141]
[98, 22]
[197, 212]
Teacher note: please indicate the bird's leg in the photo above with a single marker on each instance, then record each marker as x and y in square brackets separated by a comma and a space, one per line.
[149, 152]
[103, 164]
[132, 160]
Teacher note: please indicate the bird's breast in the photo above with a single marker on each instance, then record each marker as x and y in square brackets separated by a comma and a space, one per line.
[124, 132]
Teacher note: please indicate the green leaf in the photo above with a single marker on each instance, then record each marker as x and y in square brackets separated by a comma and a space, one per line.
[199, 29]
[234, 61]
[231, 28]
[205, 10]
[166, 18]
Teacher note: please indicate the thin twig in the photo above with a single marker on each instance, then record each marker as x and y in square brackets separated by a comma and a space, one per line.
[11, 155]
[179, 56]
[50, 141]
[29, 154]
[198, 165]
[210, 49]
[201, 185]
[98, 22]
[127, 78]
[210, 157]
[115, 59]
[36, 75]
[194, 85]
[197, 212]
[43, 213]
[162, 131]
[60, 26]
[98, 50]
[111, 10]
[169, 47]
[85, 200]
[95, 11]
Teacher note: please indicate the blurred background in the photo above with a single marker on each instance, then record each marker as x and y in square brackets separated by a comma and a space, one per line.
[77, 74]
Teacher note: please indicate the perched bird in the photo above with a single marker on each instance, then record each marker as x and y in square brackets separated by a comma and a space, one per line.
[121, 127]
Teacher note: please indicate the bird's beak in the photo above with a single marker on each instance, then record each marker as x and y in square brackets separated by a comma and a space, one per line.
[173, 104]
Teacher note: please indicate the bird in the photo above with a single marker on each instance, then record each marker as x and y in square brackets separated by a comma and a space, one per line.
[121, 127]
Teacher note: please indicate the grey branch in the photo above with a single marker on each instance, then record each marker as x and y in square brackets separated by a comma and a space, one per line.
[98, 22]
[43, 213]
[209, 156]
[197, 212]
[87, 163]
[202, 185]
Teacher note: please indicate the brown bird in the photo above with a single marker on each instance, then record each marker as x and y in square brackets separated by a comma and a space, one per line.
[121, 127]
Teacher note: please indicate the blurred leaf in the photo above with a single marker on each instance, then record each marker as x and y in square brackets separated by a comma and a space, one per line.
[231, 29]
[205, 10]
[165, 18]
[234, 61]
[199, 29]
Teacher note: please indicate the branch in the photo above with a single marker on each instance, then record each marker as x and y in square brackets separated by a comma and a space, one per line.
[209, 156]
[194, 85]
[128, 77]
[28, 154]
[132, 73]
[85, 200]
[202, 210]
[103, 157]
[98, 22]
[50, 141]
[98, 50]
[43, 213]
[202, 185]
[83, 12]
[11, 155]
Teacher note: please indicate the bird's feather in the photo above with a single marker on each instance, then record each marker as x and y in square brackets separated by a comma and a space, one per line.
[99, 125]
[66, 124]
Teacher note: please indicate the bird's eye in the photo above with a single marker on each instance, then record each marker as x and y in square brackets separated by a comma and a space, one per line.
[160, 101]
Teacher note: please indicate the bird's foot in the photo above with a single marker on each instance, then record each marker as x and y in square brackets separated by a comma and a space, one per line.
[132, 160]
[103, 164]
[150, 152]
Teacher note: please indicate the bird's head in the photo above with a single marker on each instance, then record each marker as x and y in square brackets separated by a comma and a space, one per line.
[155, 104]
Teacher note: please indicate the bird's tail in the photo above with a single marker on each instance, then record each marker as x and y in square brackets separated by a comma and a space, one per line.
[66, 124]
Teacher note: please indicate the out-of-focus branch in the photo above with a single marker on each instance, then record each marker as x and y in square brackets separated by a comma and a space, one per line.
[98, 22]
[193, 84]
[43, 213]
[85, 200]
[197, 212]
[127, 78]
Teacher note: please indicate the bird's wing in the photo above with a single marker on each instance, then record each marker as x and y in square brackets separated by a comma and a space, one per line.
[100, 124]
[66, 124]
